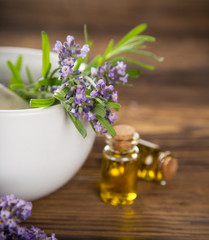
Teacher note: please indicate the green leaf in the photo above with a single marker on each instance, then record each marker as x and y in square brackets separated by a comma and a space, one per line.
[50, 82]
[108, 50]
[85, 33]
[18, 65]
[141, 39]
[135, 31]
[140, 64]
[99, 101]
[16, 86]
[78, 63]
[78, 124]
[45, 54]
[133, 73]
[16, 79]
[147, 54]
[106, 125]
[112, 105]
[61, 93]
[41, 102]
[91, 81]
[53, 72]
[99, 110]
[30, 78]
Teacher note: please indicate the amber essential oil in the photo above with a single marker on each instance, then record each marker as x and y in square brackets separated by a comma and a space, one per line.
[155, 164]
[119, 167]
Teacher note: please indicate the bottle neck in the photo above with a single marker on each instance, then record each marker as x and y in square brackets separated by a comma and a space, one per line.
[122, 146]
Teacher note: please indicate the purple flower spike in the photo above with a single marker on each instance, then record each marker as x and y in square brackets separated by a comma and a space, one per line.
[12, 212]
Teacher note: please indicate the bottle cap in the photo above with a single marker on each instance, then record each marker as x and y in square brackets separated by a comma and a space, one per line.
[169, 166]
[125, 138]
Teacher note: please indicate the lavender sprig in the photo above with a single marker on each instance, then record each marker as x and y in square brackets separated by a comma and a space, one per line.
[12, 212]
[86, 93]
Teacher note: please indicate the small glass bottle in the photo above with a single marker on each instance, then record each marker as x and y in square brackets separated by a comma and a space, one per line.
[119, 167]
[155, 164]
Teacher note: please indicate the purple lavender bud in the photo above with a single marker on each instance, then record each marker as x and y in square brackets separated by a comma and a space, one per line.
[2, 201]
[124, 79]
[94, 71]
[115, 96]
[4, 215]
[80, 96]
[101, 84]
[21, 230]
[68, 61]
[98, 127]
[94, 93]
[109, 88]
[11, 223]
[65, 71]
[111, 75]
[26, 210]
[70, 40]
[89, 116]
[74, 112]
[34, 233]
[121, 68]
[57, 47]
[112, 117]
[10, 199]
[84, 50]
[52, 237]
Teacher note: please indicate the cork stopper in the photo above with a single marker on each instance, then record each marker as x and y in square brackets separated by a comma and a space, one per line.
[169, 167]
[124, 138]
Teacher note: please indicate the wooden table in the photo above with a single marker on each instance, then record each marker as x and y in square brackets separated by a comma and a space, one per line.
[169, 106]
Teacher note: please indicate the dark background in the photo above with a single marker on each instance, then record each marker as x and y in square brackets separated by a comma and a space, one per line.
[181, 27]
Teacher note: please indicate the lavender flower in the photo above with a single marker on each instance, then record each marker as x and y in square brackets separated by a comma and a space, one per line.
[80, 96]
[115, 96]
[69, 52]
[12, 212]
[112, 117]
[84, 50]
[57, 47]
[112, 74]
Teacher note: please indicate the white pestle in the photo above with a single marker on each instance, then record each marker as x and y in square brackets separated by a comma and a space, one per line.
[10, 100]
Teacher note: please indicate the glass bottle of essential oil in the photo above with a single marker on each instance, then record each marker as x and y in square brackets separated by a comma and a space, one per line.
[119, 167]
[155, 164]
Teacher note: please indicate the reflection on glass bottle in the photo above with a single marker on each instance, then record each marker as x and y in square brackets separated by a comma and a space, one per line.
[119, 167]
[155, 164]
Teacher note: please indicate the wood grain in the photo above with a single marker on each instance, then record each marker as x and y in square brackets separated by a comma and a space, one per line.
[169, 106]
